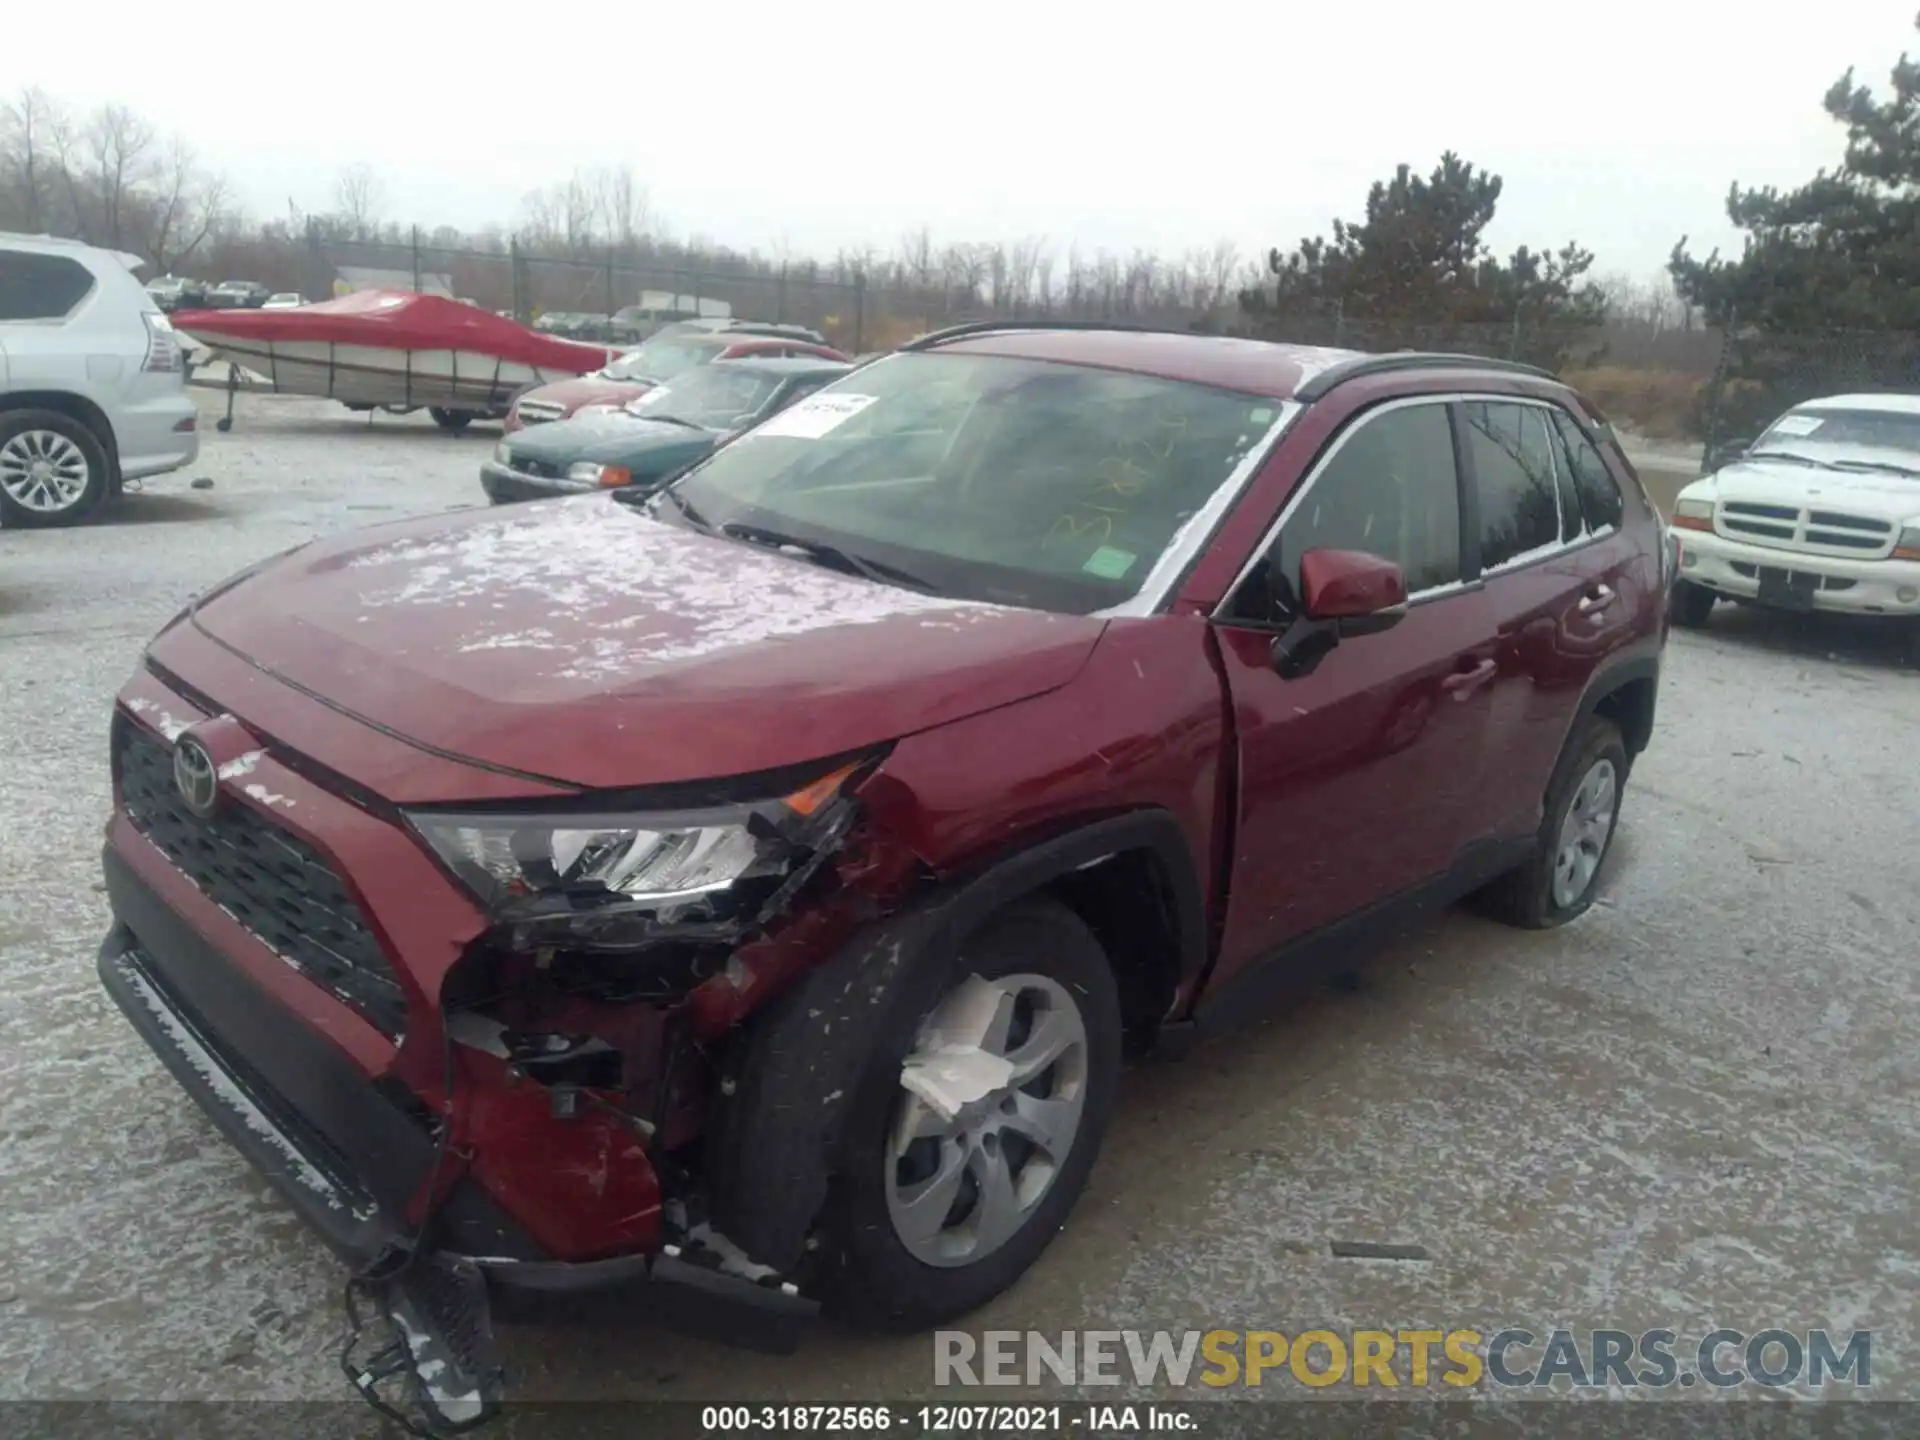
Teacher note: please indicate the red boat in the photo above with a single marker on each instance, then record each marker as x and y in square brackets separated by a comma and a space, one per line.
[391, 350]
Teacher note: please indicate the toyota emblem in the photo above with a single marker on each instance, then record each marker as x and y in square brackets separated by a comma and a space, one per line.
[194, 776]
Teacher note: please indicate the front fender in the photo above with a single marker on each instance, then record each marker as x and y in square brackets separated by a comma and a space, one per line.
[792, 1081]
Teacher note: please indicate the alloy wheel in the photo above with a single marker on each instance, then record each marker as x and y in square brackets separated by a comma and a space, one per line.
[990, 1105]
[1584, 832]
[43, 471]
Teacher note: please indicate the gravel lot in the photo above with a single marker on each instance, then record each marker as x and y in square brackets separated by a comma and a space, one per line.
[1695, 1107]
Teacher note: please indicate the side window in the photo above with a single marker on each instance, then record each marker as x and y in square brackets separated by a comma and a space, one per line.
[1593, 484]
[41, 287]
[1513, 462]
[1391, 489]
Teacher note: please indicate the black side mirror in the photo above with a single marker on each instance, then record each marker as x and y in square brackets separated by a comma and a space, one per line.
[1725, 453]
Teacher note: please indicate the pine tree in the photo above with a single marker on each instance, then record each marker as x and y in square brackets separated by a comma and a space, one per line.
[1825, 296]
[1843, 250]
[1416, 272]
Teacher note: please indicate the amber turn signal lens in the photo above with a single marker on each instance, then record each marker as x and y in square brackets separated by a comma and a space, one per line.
[810, 798]
[1691, 522]
[613, 475]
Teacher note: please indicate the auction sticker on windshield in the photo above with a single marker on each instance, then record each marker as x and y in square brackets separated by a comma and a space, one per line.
[816, 416]
[1796, 425]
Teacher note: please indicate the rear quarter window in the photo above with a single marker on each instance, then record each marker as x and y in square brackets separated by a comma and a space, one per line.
[1600, 502]
[41, 287]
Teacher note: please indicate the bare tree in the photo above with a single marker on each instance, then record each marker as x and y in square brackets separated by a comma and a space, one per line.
[540, 225]
[1023, 260]
[963, 269]
[622, 204]
[1222, 265]
[357, 195]
[579, 213]
[117, 143]
[187, 207]
[26, 125]
[916, 258]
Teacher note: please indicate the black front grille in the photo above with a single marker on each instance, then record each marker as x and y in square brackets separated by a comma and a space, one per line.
[269, 880]
[1849, 522]
[540, 468]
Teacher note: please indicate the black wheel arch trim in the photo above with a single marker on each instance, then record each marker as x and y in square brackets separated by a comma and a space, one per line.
[1016, 873]
[1611, 680]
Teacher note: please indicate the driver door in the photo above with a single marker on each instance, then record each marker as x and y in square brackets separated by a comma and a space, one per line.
[1354, 779]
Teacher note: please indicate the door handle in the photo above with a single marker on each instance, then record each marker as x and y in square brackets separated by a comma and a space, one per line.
[1463, 683]
[1596, 600]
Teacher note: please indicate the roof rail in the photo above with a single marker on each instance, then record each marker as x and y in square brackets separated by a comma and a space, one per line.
[935, 338]
[1361, 365]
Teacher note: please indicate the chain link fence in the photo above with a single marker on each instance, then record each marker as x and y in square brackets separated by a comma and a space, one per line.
[856, 311]
[1692, 386]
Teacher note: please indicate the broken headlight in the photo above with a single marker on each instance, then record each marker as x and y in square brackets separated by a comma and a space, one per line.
[623, 877]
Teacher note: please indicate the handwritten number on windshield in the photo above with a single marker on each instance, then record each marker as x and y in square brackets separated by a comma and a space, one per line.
[1133, 465]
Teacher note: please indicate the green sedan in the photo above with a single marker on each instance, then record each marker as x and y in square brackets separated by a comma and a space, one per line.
[650, 440]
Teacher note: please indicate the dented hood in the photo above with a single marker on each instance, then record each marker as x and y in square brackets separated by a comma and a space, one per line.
[586, 642]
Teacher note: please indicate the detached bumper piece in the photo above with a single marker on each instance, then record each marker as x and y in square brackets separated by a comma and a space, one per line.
[436, 1373]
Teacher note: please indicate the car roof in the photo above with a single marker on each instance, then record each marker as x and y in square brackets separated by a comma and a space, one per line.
[1885, 404]
[783, 365]
[61, 245]
[1256, 367]
[728, 339]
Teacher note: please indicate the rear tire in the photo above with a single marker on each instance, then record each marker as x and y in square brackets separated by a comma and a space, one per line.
[1582, 810]
[1691, 604]
[451, 421]
[53, 469]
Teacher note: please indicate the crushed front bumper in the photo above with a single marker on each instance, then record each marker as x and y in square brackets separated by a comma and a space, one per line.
[357, 1166]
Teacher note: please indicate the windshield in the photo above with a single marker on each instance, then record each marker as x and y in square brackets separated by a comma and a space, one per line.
[716, 397]
[660, 359]
[1871, 429]
[1020, 482]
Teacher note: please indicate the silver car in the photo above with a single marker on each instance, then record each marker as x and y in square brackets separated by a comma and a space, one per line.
[92, 381]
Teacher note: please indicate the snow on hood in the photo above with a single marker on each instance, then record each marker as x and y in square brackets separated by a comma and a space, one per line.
[585, 641]
[1768, 481]
[578, 561]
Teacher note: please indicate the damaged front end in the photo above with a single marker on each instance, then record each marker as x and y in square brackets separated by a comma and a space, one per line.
[586, 1033]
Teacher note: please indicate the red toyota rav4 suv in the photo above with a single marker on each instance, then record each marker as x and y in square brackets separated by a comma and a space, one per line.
[746, 892]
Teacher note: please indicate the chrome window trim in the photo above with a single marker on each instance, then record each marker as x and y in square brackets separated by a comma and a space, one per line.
[1191, 540]
[1432, 592]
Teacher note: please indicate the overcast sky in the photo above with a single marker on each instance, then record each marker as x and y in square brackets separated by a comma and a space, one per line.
[847, 122]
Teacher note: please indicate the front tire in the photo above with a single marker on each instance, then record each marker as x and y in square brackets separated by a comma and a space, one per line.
[53, 469]
[935, 1214]
[451, 421]
[1582, 810]
[1690, 604]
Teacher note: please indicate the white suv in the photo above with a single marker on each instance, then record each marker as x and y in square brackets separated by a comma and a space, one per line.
[1822, 512]
[92, 381]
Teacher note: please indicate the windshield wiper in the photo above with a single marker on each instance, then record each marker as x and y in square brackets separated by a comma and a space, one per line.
[666, 419]
[1788, 455]
[1876, 465]
[680, 502]
[832, 556]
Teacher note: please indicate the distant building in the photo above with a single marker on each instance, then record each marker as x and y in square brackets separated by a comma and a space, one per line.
[348, 279]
